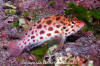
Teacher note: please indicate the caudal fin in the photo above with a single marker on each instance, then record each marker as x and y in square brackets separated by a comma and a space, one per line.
[13, 49]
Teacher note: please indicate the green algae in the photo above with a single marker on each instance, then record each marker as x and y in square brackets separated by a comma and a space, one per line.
[95, 14]
[15, 24]
[26, 14]
[39, 52]
[51, 3]
[35, 16]
[81, 12]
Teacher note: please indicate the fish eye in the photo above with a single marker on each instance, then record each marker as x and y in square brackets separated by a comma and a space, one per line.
[73, 22]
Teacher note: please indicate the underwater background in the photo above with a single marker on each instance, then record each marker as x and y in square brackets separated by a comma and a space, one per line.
[80, 49]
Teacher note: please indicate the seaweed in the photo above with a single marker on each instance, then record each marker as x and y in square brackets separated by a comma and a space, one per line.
[26, 14]
[15, 24]
[95, 14]
[35, 15]
[51, 3]
[39, 52]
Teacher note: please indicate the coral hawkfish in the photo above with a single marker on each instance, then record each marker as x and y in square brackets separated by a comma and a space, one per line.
[44, 30]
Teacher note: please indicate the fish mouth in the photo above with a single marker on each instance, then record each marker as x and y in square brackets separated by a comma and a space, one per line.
[82, 24]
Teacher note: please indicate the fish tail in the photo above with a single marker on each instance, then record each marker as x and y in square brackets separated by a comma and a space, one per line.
[13, 49]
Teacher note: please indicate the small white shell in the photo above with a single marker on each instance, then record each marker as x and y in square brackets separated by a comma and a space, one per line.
[21, 21]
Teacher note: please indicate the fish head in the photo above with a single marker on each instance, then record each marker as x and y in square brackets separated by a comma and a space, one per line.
[77, 24]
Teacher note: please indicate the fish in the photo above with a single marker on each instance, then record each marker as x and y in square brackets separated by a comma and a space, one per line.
[45, 29]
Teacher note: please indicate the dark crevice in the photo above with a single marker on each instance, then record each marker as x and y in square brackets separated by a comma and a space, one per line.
[72, 38]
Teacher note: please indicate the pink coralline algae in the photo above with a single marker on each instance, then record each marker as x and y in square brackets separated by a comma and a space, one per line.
[33, 4]
[3, 34]
[44, 4]
[86, 45]
[90, 4]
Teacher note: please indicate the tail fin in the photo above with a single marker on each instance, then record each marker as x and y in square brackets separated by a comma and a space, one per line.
[13, 49]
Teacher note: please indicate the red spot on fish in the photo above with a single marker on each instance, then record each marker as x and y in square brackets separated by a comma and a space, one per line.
[69, 24]
[54, 23]
[58, 18]
[56, 36]
[32, 32]
[65, 36]
[36, 34]
[72, 26]
[24, 36]
[77, 25]
[30, 28]
[49, 22]
[35, 30]
[49, 34]
[28, 35]
[42, 32]
[37, 40]
[65, 33]
[64, 27]
[39, 26]
[32, 37]
[28, 40]
[41, 37]
[61, 22]
[57, 26]
[19, 43]
[24, 42]
[65, 16]
[22, 46]
[56, 31]
[39, 21]
[50, 28]
[34, 25]
[33, 40]
[66, 30]
[73, 30]
[47, 17]
[44, 26]
[29, 43]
